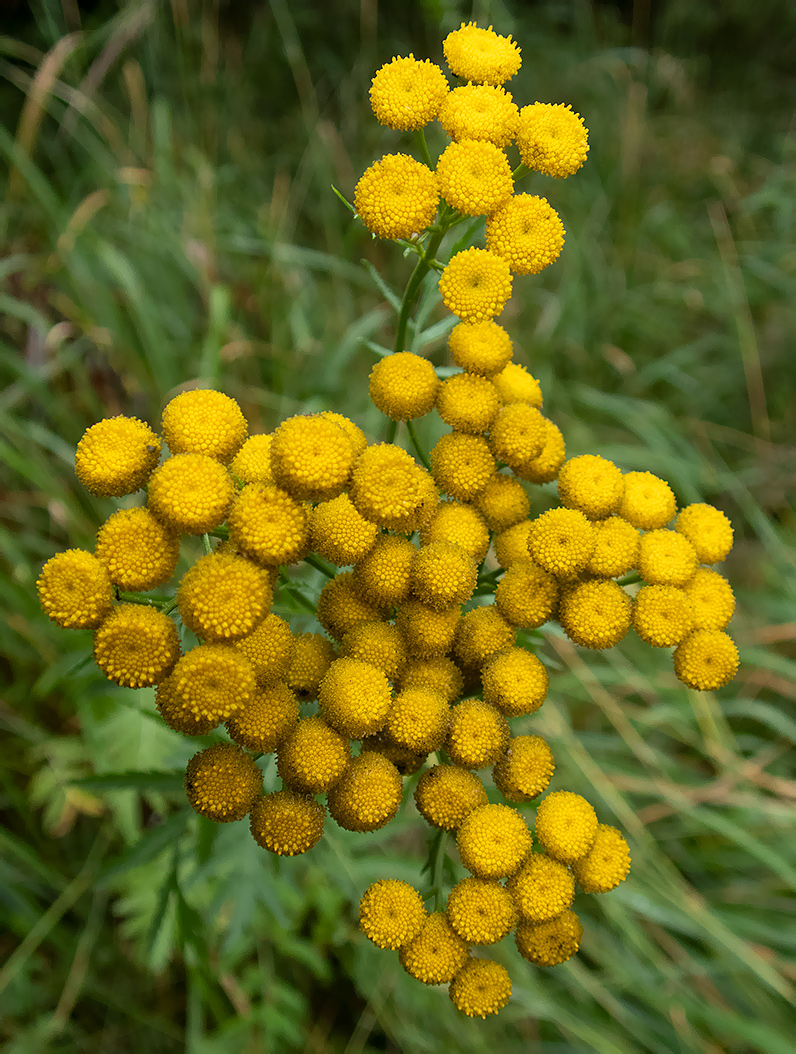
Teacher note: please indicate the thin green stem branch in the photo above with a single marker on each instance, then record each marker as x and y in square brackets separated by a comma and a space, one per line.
[208, 548]
[141, 598]
[436, 864]
[422, 146]
[319, 565]
[422, 267]
[392, 431]
[416, 444]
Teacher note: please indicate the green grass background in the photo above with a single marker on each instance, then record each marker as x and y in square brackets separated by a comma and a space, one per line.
[167, 217]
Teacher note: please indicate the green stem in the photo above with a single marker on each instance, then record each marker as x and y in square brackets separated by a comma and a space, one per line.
[208, 548]
[319, 565]
[422, 146]
[422, 267]
[220, 532]
[392, 430]
[416, 444]
[521, 170]
[436, 865]
[139, 598]
[630, 579]
[296, 593]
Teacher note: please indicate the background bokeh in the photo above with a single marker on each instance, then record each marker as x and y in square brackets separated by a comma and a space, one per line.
[167, 219]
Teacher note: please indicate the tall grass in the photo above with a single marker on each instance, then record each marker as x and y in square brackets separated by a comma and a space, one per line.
[168, 219]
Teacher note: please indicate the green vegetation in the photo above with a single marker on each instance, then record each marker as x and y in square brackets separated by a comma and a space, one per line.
[168, 216]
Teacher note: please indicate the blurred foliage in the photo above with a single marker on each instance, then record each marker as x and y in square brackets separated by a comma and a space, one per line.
[168, 217]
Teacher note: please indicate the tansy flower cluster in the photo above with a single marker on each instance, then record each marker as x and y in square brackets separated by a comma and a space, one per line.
[406, 695]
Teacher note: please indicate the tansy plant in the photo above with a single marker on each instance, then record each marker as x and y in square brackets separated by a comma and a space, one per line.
[428, 651]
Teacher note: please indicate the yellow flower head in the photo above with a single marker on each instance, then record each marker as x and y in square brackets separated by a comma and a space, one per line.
[391, 490]
[176, 715]
[526, 595]
[545, 467]
[481, 987]
[367, 795]
[526, 232]
[706, 660]
[354, 697]
[480, 634]
[383, 577]
[712, 599]
[223, 782]
[483, 348]
[503, 502]
[549, 943]
[592, 484]
[460, 524]
[191, 493]
[478, 734]
[446, 794]
[269, 717]
[405, 760]
[252, 463]
[203, 421]
[391, 913]
[313, 654]
[666, 558]
[481, 912]
[493, 840]
[525, 770]
[212, 682]
[406, 93]
[468, 403]
[340, 533]
[136, 646]
[378, 643]
[269, 650]
[403, 386]
[562, 541]
[475, 285]
[354, 432]
[542, 888]
[418, 720]
[341, 606]
[511, 545]
[137, 549]
[516, 385]
[439, 674]
[311, 457]
[606, 864]
[515, 682]
[286, 823]
[313, 757]
[481, 55]
[662, 615]
[596, 614]
[517, 435]
[474, 176]
[708, 530]
[461, 465]
[552, 139]
[436, 954]
[648, 501]
[566, 826]
[268, 525]
[116, 456]
[427, 631]
[397, 197]
[223, 597]
[443, 574]
[75, 590]
[615, 548]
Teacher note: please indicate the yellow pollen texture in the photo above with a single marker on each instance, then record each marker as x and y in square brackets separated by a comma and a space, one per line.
[397, 197]
[136, 646]
[116, 456]
[526, 232]
[475, 285]
[406, 93]
[286, 823]
[75, 590]
[203, 421]
[474, 177]
[391, 913]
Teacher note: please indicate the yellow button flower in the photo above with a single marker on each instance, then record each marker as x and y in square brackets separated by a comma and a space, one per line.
[397, 197]
[468, 403]
[313, 758]
[516, 385]
[662, 615]
[213, 682]
[526, 595]
[177, 715]
[75, 590]
[446, 795]
[354, 697]
[515, 682]
[549, 943]
[493, 840]
[116, 456]
[566, 826]
[406, 93]
[269, 717]
[706, 660]
[480, 634]
[481, 912]
[252, 463]
[475, 285]
[480, 988]
[503, 502]
[136, 646]
[191, 493]
[383, 577]
[474, 177]
[439, 674]
[525, 770]
[426, 630]
[517, 435]
[268, 649]
[526, 232]
[341, 606]
[436, 954]
[391, 490]
[367, 795]
[511, 545]
[478, 734]
[339, 533]
[542, 888]
[648, 501]
[481, 55]
[596, 614]
[712, 599]
[418, 720]
[666, 558]
[592, 484]
[137, 549]
[268, 525]
[461, 465]
[561, 541]
[545, 467]
[708, 530]
[460, 524]
[355, 434]
[615, 548]
[203, 421]
[443, 574]
[483, 348]
[312, 656]
[223, 597]
[391, 913]
[606, 864]
[552, 139]
[223, 782]
[483, 112]
[286, 823]
[378, 643]
[403, 386]
[311, 457]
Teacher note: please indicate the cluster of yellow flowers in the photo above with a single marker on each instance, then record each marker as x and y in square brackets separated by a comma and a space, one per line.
[416, 676]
